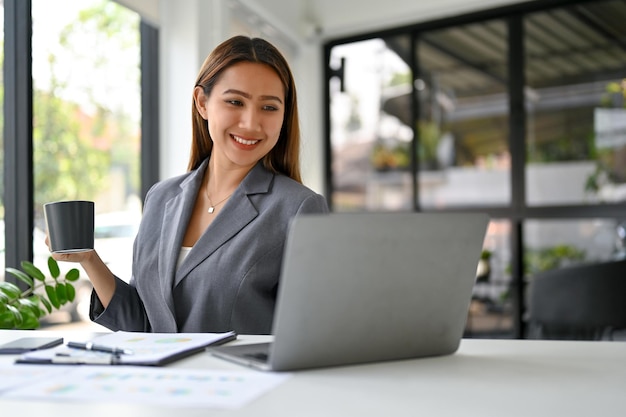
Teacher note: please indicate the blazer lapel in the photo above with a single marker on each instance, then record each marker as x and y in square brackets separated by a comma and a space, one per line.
[176, 216]
[234, 216]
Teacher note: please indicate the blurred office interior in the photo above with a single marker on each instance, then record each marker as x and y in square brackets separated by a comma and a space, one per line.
[512, 108]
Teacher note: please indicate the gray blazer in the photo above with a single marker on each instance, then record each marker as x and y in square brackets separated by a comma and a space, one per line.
[229, 279]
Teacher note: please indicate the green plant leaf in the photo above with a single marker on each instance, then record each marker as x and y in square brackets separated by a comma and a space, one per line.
[21, 276]
[17, 316]
[40, 312]
[72, 275]
[71, 292]
[28, 304]
[23, 309]
[52, 296]
[32, 270]
[61, 293]
[53, 267]
[12, 290]
[46, 304]
[7, 320]
[4, 299]
[29, 320]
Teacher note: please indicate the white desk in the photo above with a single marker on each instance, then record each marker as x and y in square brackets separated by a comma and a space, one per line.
[484, 378]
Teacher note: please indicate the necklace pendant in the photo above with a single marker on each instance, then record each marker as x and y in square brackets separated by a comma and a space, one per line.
[211, 210]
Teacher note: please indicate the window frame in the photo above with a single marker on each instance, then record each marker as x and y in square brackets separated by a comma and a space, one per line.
[18, 173]
[518, 210]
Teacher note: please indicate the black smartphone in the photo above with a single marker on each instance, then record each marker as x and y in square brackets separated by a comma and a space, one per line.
[27, 344]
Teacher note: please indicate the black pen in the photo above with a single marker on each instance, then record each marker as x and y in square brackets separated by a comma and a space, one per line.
[99, 348]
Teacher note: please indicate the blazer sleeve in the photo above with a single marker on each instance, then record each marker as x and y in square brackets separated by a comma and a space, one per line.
[125, 310]
[315, 203]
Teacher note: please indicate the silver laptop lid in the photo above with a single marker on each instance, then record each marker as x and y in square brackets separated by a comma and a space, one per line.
[364, 287]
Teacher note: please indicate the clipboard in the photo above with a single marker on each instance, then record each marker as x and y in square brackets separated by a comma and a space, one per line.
[148, 349]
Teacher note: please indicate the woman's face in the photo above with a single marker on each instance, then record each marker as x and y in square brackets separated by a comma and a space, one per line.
[245, 113]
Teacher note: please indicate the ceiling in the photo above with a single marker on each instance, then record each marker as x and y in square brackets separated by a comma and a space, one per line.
[579, 45]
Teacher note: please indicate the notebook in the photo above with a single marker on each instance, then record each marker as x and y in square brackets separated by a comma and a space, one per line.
[368, 287]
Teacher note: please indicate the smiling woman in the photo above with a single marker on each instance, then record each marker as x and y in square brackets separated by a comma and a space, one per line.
[248, 118]
[198, 245]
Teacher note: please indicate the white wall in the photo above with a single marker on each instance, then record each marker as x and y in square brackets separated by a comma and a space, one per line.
[191, 28]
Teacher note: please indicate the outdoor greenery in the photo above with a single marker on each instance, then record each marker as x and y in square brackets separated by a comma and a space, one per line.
[78, 137]
[610, 167]
[76, 118]
[398, 156]
[83, 133]
[384, 158]
[22, 309]
[553, 257]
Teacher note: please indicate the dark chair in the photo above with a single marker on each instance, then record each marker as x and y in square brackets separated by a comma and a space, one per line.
[585, 302]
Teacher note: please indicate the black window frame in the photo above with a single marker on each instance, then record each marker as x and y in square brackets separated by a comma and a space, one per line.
[18, 126]
[518, 210]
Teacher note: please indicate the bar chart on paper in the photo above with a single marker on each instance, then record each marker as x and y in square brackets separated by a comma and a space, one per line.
[152, 386]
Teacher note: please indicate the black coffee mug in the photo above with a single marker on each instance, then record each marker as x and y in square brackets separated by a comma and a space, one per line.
[70, 225]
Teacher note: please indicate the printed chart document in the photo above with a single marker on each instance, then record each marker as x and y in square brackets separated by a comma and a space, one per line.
[12, 376]
[154, 386]
[144, 349]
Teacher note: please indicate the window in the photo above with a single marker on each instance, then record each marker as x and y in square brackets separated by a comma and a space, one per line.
[519, 112]
[2, 265]
[370, 140]
[87, 111]
[465, 158]
[90, 130]
[576, 105]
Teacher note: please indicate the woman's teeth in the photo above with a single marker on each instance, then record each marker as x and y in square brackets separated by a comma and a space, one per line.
[244, 141]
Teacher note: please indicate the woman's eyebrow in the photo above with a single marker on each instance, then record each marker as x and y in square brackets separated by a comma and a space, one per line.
[248, 96]
[274, 98]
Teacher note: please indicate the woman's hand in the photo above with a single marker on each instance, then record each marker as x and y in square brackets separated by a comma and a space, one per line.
[98, 273]
[70, 257]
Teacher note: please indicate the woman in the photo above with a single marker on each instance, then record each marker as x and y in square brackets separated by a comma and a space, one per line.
[208, 252]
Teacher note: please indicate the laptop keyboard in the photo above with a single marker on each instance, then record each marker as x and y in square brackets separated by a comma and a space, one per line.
[260, 356]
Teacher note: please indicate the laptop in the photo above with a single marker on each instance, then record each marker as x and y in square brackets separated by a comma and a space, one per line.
[368, 287]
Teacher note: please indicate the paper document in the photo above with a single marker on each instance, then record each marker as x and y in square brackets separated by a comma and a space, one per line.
[12, 376]
[146, 385]
[145, 348]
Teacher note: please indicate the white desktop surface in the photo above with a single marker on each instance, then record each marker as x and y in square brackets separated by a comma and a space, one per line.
[484, 378]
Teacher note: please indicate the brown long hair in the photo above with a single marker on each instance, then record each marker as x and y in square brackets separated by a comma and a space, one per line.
[284, 158]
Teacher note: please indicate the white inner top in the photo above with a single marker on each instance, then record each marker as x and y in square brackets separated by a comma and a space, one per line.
[184, 251]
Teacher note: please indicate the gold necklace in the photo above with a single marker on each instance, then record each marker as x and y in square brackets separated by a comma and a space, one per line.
[211, 205]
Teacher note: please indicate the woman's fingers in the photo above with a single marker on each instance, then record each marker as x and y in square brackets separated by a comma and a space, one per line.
[71, 257]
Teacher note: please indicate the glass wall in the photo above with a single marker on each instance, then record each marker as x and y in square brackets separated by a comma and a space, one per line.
[370, 126]
[86, 131]
[517, 113]
[576, 106]
[461, 154]
[463, 127]
[576, 132]
[491, 308]
[2, 266]
[551, 244]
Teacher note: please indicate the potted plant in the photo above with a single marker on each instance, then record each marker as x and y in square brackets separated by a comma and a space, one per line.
[483, 271]
[23, 309]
